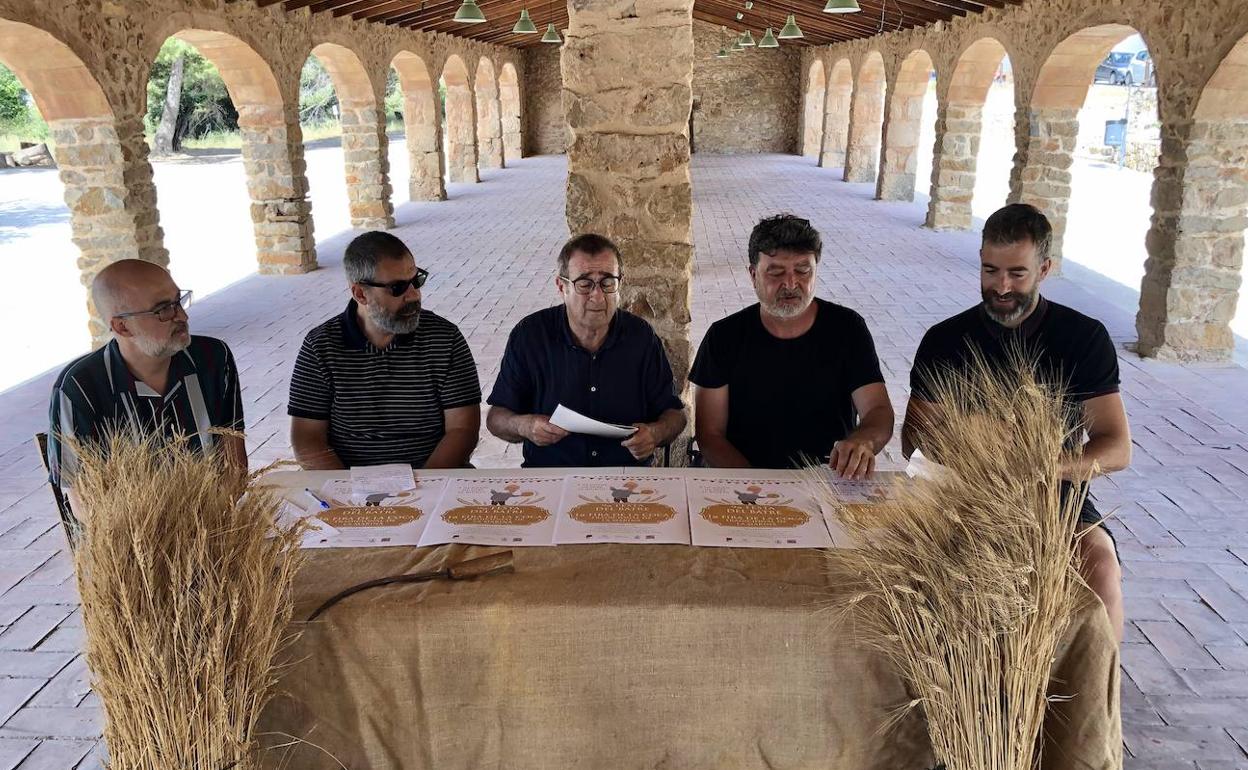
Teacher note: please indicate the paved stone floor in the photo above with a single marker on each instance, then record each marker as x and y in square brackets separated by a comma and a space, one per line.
[490, 249]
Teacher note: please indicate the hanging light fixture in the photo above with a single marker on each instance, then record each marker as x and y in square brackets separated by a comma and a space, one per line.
[552, 34]
[740, 16]
[768, 40]
[841, 6]
[525, 25]
[722, 53]
[747, 40]
[469, 13]
[788, 31]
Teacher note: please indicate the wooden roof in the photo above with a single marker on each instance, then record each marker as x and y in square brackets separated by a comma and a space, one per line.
[819, 28]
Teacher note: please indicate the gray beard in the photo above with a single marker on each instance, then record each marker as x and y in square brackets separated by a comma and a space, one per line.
[392, 324]
[780, 311]
[154, 349]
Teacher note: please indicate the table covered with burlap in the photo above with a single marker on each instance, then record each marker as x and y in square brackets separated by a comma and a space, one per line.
[621, 656]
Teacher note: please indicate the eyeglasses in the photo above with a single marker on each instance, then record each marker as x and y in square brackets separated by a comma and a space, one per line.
[609, 284]
[165, 311]
[399, 288]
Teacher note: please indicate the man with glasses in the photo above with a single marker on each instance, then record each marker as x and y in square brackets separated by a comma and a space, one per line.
[386, 381]
[152, 377]
[591, 357]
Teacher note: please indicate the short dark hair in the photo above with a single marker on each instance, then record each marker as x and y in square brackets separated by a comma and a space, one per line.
[787, 232]
[589, 244]
[365, 251]
[1019, 222]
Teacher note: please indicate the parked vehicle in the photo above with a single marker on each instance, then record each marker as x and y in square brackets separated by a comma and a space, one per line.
[1124, 68]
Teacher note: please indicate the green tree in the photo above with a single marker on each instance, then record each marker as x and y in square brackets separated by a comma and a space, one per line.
[12, 96]
[318, 103]
[205, 105]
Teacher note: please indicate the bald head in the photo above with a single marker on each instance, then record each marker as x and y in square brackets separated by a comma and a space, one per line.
[131, 285]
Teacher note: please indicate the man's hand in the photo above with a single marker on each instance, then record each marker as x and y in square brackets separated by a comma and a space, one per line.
[853, 458]
[642, 443]
[540, 431]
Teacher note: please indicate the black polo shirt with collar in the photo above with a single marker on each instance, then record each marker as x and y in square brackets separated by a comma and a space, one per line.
[383, 405]
[627, 380]
[97, 394]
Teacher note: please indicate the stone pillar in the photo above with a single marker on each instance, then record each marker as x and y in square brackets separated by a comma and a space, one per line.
[364, 148]
[461, 135]
[489, 126]
[956, 156]
[836, 123]
[865, 120]
[110, 196]
[1196, 243]
[901, 136]
[812, 111]
[1041, 174]
[509, 99]
[280, 210]
[422, 124]
[627, 80]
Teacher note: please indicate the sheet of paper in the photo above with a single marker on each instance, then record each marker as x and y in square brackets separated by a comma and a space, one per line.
[756, 512]
[376, 519]
[377, 480]
[623, 509]
[506, 510]
[575, 422]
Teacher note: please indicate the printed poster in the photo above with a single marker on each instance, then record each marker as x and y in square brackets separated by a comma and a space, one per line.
[375, 519]
[623, 509]
[496, 511]
[755, 513]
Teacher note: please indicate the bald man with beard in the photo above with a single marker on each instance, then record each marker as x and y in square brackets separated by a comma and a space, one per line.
[152, 377]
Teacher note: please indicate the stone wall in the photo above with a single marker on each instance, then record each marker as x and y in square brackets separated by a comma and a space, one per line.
[748, 102]
[545, 128]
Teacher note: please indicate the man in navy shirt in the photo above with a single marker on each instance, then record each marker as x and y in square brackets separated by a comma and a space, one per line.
[591, 357]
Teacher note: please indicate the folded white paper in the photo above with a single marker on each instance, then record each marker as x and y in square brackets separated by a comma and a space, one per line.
[575, 422]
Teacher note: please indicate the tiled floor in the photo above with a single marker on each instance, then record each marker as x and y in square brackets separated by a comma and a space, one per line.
[490, 249]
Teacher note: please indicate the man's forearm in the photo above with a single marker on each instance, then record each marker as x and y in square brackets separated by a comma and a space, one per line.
[506, 424]
[454, 450]
[1100, 456]
[875, 427]
[318, 457]
[718, 452]
[669, 425]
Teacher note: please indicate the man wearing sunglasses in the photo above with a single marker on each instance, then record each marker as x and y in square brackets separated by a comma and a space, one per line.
[591, 357]
[153, 376]
[386, 381]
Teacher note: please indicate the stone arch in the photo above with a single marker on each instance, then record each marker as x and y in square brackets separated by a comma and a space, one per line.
[364, 144]
[903, 127]
[1041, 174]
[422, 125]
[509, 102]
[812, 109]
[489, 116]
[107, 179]
[836, 115]
[1195, 260]
[461, 121]
[272, 152]
[959, 127]
[866, 119]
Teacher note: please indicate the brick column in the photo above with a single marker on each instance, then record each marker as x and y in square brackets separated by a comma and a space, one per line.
[866, 116]
[1041, 174]
[900, 158]
[509, 100]
[489, 124]
[1196, 243]
[836, 117]
[364, 148]
[280, 210]
[461, 135]
[812, 110]
[110, 196]
[628, 163]
[424, 146]
[956, 156]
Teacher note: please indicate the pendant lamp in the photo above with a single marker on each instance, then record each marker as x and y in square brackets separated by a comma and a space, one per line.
[552, 34]
[525, 25]
[841, 6]
[768, 40]
[788, 31]
[747, 40]
[469, 13]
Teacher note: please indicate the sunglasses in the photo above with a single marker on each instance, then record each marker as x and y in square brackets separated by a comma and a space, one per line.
[399, 288]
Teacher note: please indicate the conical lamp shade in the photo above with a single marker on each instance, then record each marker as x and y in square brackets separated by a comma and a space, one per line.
[841, 6]
[722, 53]
[469, 13]
[747, 40]
[736, 46]
[789, 30]
[768, 40]
[525, 25]
[552, 34]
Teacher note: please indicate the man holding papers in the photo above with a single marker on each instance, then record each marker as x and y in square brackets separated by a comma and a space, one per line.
[605, 366]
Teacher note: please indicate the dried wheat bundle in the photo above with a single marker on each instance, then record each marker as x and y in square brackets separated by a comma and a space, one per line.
[967, 582]
[186, 599]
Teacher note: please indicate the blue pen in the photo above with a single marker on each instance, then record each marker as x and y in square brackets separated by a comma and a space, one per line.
[324, 505]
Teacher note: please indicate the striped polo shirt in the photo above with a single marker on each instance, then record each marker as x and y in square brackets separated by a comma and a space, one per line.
[97, 395]
[384, 405]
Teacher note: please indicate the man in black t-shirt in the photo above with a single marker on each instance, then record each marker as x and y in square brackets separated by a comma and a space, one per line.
[1072, 353]
[792, 377]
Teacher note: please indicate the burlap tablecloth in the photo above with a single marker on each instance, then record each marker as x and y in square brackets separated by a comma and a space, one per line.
[619, 656]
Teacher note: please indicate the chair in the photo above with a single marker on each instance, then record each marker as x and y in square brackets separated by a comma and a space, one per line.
[68, 521]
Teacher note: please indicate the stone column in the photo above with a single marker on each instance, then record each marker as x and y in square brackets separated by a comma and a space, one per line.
[364, 148]
[509, 99]
[461, 135]
[953, 165]
[901, 137]
[1041, 174]
[110, 196]
[422, 124]
[280, 210]
[836, 124]
[865, 119]
[627, 80]
[489, 126]
[1196, 243]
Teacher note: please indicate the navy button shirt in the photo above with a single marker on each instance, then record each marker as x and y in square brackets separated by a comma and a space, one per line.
[627, 380]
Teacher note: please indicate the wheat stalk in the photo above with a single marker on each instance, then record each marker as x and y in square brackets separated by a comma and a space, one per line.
[967, 583]
[186, 601]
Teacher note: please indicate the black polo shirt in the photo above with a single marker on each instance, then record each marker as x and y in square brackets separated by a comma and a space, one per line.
[788, 399]
[627, 380]
[383, 405]
[97, 394]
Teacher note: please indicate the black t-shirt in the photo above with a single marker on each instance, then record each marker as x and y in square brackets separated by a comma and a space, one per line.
[788, 399]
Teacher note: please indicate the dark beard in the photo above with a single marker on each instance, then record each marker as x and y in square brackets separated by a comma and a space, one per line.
[1025, 302]
[403, 321]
